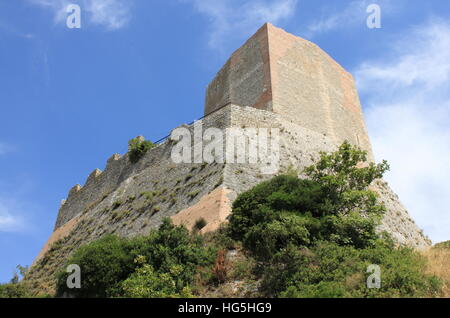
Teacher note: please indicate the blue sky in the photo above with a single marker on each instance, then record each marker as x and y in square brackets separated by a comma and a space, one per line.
[70, 98]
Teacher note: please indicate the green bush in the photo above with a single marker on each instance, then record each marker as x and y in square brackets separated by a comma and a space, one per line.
[106, 263]
[444, 245]
[14, 290]
[330, 270]
[266, 238]
[148, 283]
[333, 204]
[137, 148]
[315, 237]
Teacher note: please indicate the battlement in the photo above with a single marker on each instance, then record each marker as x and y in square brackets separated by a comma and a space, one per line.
[101, 185]
[97, 184]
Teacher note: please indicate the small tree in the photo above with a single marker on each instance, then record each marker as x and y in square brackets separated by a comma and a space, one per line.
[333, 204]
[344, 176]
[138, 147]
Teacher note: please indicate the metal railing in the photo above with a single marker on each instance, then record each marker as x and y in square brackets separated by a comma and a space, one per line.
[160, 141]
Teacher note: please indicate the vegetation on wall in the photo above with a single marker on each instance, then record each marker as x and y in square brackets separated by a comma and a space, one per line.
[14, 290]
[137, 148]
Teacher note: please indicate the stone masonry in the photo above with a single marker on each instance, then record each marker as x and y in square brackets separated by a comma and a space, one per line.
[285, 74]
[275, 80]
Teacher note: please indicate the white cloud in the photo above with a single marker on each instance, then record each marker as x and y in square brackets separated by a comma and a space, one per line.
[408, 116]
[16, 210]
[236, 19]
[10, 220]
[342, 16]
[111, 14]
[57, 6]
[5, 148]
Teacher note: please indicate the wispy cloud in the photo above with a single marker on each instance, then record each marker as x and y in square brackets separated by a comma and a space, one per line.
[11, 219]
[17, 211]
[347, 14]
[111, 14]
[57, 6]
[10, 210]
[5, 148]
[409, 121]
[231, 20]
[9, 29]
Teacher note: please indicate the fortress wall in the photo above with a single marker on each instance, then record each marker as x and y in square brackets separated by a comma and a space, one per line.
[179, 187]
[121, 175]
[397, 220]
[97, 185]
[116, 200]
[186, 192]
[59, 234]
[299, 147]
[214, 208]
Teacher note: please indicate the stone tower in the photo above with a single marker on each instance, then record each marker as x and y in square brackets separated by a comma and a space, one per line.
[275, 80]
[279, 72]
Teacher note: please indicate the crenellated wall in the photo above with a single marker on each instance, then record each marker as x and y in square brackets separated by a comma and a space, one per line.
[189, 183]
[120, 173]
[96, 186]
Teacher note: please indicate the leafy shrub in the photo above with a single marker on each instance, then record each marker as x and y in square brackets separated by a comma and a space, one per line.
[315, 237]
[137, 148]
[14, 290]
[334, 204]
[243, 268]
[145, 282]
[103, 264]
[106, 263]
[444, 245]
[330, 270]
